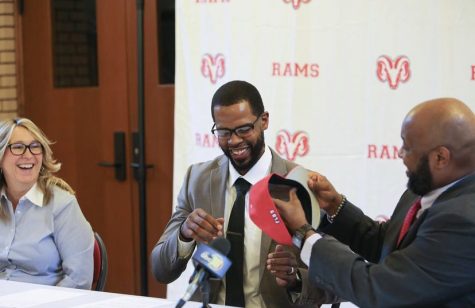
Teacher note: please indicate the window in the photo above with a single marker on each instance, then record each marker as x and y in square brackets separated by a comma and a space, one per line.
[74, 43]
[166, 41]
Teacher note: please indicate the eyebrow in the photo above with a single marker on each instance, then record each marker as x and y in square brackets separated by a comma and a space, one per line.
[21, 141]
[247, 124]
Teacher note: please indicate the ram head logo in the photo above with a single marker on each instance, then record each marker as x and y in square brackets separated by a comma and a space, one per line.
[296, 3]
[291, 146]
[393, 71]
[213, 67]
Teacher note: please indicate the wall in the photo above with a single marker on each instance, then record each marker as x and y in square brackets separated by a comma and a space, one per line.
[8, 61]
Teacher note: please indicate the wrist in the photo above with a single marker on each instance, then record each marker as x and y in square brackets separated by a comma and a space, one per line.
[295, 226]
[331, 216]
[301, 234]
[181, 236]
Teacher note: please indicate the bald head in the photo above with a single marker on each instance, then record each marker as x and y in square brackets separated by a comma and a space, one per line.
[448, 123]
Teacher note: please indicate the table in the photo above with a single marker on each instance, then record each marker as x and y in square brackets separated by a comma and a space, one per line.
[19, 295]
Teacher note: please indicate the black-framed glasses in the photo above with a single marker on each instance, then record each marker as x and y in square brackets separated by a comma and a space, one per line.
[18, 149]
[240, 131]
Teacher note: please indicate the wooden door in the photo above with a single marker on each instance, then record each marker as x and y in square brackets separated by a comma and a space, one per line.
[159, 121]
[83, 117]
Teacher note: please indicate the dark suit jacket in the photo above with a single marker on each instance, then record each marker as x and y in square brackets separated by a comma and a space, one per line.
[433, 267]
[204, 186]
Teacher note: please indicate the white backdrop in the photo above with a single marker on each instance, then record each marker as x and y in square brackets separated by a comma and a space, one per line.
[337, 78]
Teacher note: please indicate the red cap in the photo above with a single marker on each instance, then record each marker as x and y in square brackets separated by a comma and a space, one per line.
[263, 211]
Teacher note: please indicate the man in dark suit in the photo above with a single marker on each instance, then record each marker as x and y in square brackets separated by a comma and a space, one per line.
[430, 265]
[206, 200]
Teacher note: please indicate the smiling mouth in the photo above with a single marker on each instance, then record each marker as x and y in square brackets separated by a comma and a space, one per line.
[25, 166]
[239, 151]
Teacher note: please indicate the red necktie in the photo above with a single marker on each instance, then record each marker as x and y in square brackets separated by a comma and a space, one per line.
[410, 216]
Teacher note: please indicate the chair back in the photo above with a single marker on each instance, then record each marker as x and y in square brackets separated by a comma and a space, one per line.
[100, 264]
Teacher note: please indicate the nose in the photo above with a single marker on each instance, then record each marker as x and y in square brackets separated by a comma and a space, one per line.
[27, 153]
[234, 138]
[401, 153]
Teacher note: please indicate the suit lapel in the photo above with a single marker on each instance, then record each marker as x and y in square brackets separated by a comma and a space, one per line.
[446, 195]
[217, 189]
[278, 166]
[395, 223]
[398, 216]
[265, 246]
[412, 232]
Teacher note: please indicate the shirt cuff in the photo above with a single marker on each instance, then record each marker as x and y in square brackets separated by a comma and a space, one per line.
[185, 248]
[307, 248]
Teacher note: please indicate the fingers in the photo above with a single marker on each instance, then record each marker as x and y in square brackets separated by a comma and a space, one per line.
[281, 261]
[279, 248]
[279, 265]
[317, 182]
[288, 205]
[291, 211]
[202, 227]
[328, 198]
[294, 199]
[283, 265]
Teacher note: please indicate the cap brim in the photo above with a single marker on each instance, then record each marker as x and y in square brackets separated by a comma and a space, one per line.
[263, 211]
[299, 176]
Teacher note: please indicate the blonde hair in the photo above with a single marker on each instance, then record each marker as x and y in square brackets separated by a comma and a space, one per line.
[46, 179]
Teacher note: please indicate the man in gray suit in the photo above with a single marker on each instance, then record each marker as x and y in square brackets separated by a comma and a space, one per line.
[207, 196]
[433, 263]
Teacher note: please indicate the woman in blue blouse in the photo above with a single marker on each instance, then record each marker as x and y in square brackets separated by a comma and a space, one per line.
[44, 237]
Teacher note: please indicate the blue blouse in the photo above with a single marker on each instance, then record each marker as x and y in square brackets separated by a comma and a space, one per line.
[49, 244]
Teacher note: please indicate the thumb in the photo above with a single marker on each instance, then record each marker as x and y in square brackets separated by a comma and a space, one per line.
[279, 203]
[294, 199]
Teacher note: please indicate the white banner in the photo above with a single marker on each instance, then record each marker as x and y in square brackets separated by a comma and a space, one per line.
[337, 78]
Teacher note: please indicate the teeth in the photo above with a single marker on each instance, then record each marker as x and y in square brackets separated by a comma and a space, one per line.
[26, 166]
[238, 151]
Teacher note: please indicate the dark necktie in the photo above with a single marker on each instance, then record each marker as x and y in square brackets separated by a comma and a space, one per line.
[410, 216]
[235, 235]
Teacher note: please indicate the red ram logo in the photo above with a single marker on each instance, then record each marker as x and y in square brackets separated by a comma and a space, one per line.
[292, 146]
[393, 72]
[213, 67]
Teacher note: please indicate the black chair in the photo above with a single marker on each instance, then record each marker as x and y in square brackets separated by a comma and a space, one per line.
[100, 264]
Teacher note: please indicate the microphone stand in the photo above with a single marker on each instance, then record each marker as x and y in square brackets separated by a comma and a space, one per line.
[204, 288]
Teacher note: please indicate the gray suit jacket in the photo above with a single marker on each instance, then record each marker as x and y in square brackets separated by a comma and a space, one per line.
[204, 187]
[434, 266]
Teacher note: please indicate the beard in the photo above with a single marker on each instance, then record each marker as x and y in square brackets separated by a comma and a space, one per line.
[256, 151]
[420, 181]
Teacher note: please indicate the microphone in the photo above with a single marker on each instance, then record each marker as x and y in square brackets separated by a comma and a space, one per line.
[209, 261]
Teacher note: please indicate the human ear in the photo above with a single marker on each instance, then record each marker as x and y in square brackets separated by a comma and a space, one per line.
[265, 120]
[441, 157]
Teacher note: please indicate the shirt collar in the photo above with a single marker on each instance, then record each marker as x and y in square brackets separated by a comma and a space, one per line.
[428, 199]
[34, 195]
[256, 173]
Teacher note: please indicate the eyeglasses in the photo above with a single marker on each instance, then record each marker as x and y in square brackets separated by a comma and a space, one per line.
[240, 131]
[18, 149]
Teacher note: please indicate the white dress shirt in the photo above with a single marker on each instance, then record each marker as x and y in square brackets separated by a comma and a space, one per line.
[252, 234]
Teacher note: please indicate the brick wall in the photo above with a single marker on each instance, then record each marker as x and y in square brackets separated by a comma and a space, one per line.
[8, 76]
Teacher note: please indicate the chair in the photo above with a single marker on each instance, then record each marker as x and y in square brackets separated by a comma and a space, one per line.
[100, 264]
